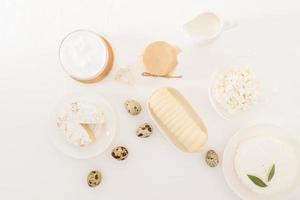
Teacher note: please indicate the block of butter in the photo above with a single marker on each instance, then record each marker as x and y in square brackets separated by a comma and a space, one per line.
[177, 119]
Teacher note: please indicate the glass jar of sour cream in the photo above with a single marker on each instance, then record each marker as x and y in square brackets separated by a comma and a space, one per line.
[86, 56]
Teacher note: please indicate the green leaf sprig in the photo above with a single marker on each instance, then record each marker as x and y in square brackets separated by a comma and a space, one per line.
[259, 182]
[271, 173]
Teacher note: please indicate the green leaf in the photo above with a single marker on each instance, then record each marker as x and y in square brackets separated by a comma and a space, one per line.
[257, 181]
[271, 173]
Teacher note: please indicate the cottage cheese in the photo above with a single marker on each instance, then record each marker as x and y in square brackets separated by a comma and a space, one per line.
[236, 90]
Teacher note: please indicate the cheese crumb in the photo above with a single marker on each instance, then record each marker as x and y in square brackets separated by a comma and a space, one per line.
[125, 75]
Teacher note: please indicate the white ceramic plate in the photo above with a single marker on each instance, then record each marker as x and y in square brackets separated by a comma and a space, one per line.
[229, 155]
[104, 139]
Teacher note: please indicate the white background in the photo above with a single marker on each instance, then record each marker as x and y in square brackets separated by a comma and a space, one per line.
[32, 82]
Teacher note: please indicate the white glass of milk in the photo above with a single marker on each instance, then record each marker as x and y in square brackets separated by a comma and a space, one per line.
[206, 27]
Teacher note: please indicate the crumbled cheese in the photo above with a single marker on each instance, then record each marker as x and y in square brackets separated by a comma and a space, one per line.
[237, 89]
[125, 75]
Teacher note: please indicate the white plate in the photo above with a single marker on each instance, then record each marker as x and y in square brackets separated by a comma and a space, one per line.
[229, 154]
[104, 139]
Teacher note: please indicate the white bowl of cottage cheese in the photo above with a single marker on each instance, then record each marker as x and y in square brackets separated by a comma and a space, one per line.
[237, 88]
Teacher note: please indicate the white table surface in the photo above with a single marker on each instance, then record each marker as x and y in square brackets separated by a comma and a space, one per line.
[32, 81]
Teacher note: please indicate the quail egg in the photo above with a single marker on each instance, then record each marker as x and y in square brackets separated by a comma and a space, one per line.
[212, 158]
[94, 178]
[133, 107]
[119, 153]
[144, 130]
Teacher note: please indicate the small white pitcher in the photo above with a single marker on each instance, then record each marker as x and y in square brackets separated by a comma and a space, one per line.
[207, 26]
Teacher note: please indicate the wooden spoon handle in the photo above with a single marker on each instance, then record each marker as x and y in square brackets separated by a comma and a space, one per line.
[163, 76]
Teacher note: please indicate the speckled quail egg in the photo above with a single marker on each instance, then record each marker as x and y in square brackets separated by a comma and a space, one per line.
[94, 178]
[212, 158]
[144, 130]
[119, 153]
[133, 107]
